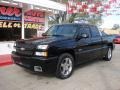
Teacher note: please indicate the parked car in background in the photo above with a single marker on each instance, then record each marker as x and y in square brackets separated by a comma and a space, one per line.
[62, 47]
[116, 40]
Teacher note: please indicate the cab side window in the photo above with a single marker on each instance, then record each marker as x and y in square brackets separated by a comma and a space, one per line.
[84, 30]
[94, 31]
[103, 33]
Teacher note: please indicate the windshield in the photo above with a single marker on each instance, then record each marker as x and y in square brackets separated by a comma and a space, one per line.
[62, 30]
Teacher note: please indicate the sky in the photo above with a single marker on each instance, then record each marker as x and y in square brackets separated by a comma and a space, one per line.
[109, 21]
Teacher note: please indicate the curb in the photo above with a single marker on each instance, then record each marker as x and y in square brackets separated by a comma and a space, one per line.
[5, 60]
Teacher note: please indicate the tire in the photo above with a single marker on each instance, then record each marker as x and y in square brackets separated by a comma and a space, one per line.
[65, 66]
[108, 56]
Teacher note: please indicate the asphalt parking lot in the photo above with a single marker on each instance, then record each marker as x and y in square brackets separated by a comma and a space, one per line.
[96, 75]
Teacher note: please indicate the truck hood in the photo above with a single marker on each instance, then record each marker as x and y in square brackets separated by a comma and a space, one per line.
[44, 40]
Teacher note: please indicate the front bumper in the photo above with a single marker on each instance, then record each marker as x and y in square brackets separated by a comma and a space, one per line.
[29, 62]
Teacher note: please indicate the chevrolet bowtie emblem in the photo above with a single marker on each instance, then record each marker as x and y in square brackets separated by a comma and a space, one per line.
[22, 49]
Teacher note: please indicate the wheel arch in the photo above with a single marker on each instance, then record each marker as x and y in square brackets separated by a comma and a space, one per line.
[111, 45]
[71, 52]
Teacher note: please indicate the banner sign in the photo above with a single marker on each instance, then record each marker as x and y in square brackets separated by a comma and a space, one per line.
[93, 7]
[34, 16]
[10, 13]
[13, 25]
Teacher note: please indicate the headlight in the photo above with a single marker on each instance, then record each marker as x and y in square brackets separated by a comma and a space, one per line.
[41, 54]
[14, 43]
[42, 46]
[14, 49]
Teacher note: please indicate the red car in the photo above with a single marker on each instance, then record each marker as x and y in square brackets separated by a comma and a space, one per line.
[117, 39]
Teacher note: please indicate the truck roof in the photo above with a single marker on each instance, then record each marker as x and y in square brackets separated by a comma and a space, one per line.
[75, 24]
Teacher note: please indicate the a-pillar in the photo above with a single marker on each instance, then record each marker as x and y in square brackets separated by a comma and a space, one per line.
[23, 29]
[39, 33]
[46, 21]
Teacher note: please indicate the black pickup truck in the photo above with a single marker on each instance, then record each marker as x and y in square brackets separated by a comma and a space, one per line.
[62, 47]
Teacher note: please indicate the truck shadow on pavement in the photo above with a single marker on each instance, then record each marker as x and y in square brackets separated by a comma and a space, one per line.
[88, 63]
[52, 74]
[42, 74]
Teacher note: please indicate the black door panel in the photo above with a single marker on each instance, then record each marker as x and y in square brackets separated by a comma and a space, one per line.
[96, 46]
[84, 50]
[96, 42]
[84, 46]
[89, 48]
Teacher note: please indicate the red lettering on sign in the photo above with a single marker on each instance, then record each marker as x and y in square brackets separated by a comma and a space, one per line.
[34, 19]
[17, 12]
[3, 10]
[10, 11]
[35, 13]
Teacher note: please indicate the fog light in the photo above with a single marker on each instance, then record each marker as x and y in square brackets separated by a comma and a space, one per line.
[38, 68]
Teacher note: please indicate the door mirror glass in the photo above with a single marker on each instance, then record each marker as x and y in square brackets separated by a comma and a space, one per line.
[44, 34]
[84, 35]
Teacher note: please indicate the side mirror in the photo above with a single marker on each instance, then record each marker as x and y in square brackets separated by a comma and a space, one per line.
[84, 35]
[43, 34]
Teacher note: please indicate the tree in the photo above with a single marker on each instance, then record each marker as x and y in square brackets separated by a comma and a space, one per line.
[63, 17]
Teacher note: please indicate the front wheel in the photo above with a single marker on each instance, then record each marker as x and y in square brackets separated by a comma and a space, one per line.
[65, 66]
[108, 56]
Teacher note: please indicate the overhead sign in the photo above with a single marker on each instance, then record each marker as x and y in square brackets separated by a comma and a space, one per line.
[92, 7]
[10, 13]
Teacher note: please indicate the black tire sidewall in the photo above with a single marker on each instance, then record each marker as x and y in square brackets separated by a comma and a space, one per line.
[60, 59]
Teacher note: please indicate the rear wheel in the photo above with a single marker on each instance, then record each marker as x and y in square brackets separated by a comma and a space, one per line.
[108, 56]
[65, 66]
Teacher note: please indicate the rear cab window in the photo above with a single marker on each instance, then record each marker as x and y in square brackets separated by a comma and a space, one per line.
[104, 34]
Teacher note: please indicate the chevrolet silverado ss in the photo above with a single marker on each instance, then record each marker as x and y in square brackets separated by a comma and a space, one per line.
[62, 47]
